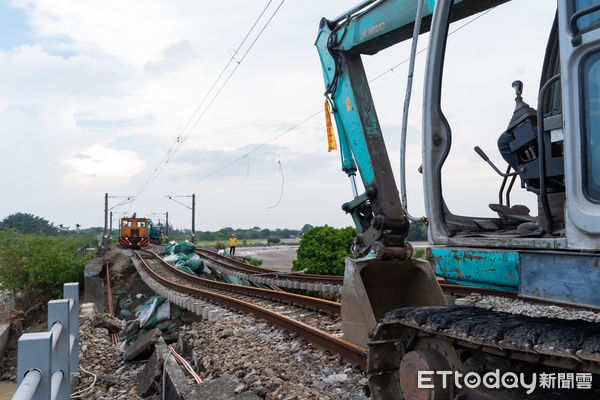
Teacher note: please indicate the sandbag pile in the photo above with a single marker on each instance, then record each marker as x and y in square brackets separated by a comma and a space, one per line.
[182, 256]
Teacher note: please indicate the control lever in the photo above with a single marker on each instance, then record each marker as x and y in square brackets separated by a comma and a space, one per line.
[487, 160]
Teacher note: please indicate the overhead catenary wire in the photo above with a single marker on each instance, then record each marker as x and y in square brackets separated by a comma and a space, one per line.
[282, 184]
[293, 127]
[165, 159]
[181, 137]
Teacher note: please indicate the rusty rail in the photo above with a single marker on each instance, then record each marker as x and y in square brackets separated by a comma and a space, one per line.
[350, 352]
[252, 269]
[312, 303]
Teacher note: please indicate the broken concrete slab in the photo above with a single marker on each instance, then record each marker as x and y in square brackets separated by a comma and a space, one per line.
[93, 283]
[4, 336]
[149, 377]
[142, 347]
[183, 346]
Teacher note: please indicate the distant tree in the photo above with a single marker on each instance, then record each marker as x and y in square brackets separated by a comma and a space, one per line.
[305, 228]
[323, 249]
[265, 233]
[78, 226]
[417, 232]
[28, 224]
[273, 240]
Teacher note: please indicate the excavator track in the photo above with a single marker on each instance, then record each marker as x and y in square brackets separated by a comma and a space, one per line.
[444, 338]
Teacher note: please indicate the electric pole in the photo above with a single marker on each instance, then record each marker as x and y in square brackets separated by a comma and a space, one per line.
[110, 230]
[106, 210]
[167, 227]
[194, 218]
[105, 221]
[192, 208]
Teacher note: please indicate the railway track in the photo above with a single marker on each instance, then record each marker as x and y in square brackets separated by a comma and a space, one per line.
[259, 275]
[312, 303]
[229, 296]
[330, 283]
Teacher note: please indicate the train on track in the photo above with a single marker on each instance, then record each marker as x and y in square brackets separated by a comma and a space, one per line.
[135, 233]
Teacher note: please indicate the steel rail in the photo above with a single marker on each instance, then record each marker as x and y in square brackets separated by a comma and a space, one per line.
[252, 269]
[312, 303]
[448, 288]
[350, 352]
[453, 288]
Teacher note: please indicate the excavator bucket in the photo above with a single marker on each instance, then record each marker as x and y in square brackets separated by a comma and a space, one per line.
[373, 287]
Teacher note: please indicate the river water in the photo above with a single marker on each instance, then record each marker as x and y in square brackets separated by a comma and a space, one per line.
[7, 389]
[274, 257]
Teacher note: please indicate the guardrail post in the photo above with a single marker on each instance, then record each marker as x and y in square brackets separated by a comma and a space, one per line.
[35, 353]
[71, 292]
[59, 313]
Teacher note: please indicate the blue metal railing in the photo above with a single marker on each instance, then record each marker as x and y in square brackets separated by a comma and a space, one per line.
[47, 360]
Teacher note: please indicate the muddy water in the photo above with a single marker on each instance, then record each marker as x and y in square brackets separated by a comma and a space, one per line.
[275, 257]
[7, 389]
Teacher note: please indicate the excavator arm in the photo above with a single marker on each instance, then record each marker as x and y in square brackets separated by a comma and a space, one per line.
[383, 277]
[366, 29]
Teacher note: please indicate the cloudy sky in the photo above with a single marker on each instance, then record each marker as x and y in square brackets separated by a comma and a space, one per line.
[94, 93]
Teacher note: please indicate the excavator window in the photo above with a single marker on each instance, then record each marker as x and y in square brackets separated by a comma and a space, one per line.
[587, 22]
[590, 111]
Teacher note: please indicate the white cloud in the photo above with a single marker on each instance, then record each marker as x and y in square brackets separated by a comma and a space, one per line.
[117, 81]
[100, 165]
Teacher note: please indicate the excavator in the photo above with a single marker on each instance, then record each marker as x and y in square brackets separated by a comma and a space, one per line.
[392, 303]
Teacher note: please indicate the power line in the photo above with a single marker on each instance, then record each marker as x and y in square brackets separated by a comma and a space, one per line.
[260, 146]
[216, 171]
[179, 140]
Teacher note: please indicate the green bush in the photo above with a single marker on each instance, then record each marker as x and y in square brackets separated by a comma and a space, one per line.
[220, 245]
[418, 253]
[323, 249]
[254, 261]
[273, 240]
[35, 267]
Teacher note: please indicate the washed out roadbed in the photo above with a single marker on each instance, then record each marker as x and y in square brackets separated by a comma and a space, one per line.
[265, 361]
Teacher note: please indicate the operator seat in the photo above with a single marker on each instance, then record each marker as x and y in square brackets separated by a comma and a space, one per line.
[518, 146]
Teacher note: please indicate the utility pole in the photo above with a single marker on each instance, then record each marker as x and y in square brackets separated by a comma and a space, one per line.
[194, 218]
[193, 208]
[167, 227]
[105, 222]
[106, 210]
[110, 230]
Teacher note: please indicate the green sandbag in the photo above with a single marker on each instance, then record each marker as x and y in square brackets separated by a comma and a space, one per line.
[185, 247]
[170, 248]
[195, 265]
[206, 276]
[125, 314]
[126, 302]
[185, 269]
[151, 323]
[235, 280]
[182, 256]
